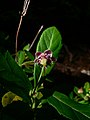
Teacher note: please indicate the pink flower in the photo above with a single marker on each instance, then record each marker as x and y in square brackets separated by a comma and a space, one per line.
[44, 58]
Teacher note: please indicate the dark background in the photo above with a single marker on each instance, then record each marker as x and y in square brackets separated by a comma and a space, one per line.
[72, 18]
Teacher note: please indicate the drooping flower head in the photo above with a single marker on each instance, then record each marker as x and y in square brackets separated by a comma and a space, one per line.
[44, 58]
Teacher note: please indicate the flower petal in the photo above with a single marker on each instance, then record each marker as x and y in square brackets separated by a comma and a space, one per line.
[47, 52]
[37, 54]
[53, 59]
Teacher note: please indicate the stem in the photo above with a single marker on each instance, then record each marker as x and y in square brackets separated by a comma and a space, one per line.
[36, 37]
[41, 74]
[16, 45]
[37, 83]
[35, 88]
[35, 65]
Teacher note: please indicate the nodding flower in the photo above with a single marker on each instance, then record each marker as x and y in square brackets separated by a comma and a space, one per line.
[44, 58]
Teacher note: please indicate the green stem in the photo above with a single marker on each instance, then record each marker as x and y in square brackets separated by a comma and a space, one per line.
[35, 75]
[36, 84]
[41, 74]
[35, 78]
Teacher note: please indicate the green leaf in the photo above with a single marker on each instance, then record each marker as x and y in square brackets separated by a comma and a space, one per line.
[76, 90]
[71, 95]
[21, 57]
[50, 39]
[9, 97]
[26, 48]
[87, 86]
[69, 108]
[30, 56]
[12, 76]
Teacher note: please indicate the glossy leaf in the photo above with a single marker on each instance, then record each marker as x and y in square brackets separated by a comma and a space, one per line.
[69, 108]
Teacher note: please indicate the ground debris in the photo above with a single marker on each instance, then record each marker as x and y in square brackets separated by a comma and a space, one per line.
[74, 62]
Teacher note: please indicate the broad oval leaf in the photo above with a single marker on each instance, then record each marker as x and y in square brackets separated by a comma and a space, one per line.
[69, 108]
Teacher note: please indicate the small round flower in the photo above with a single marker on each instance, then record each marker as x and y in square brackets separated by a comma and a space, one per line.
[44, 58]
